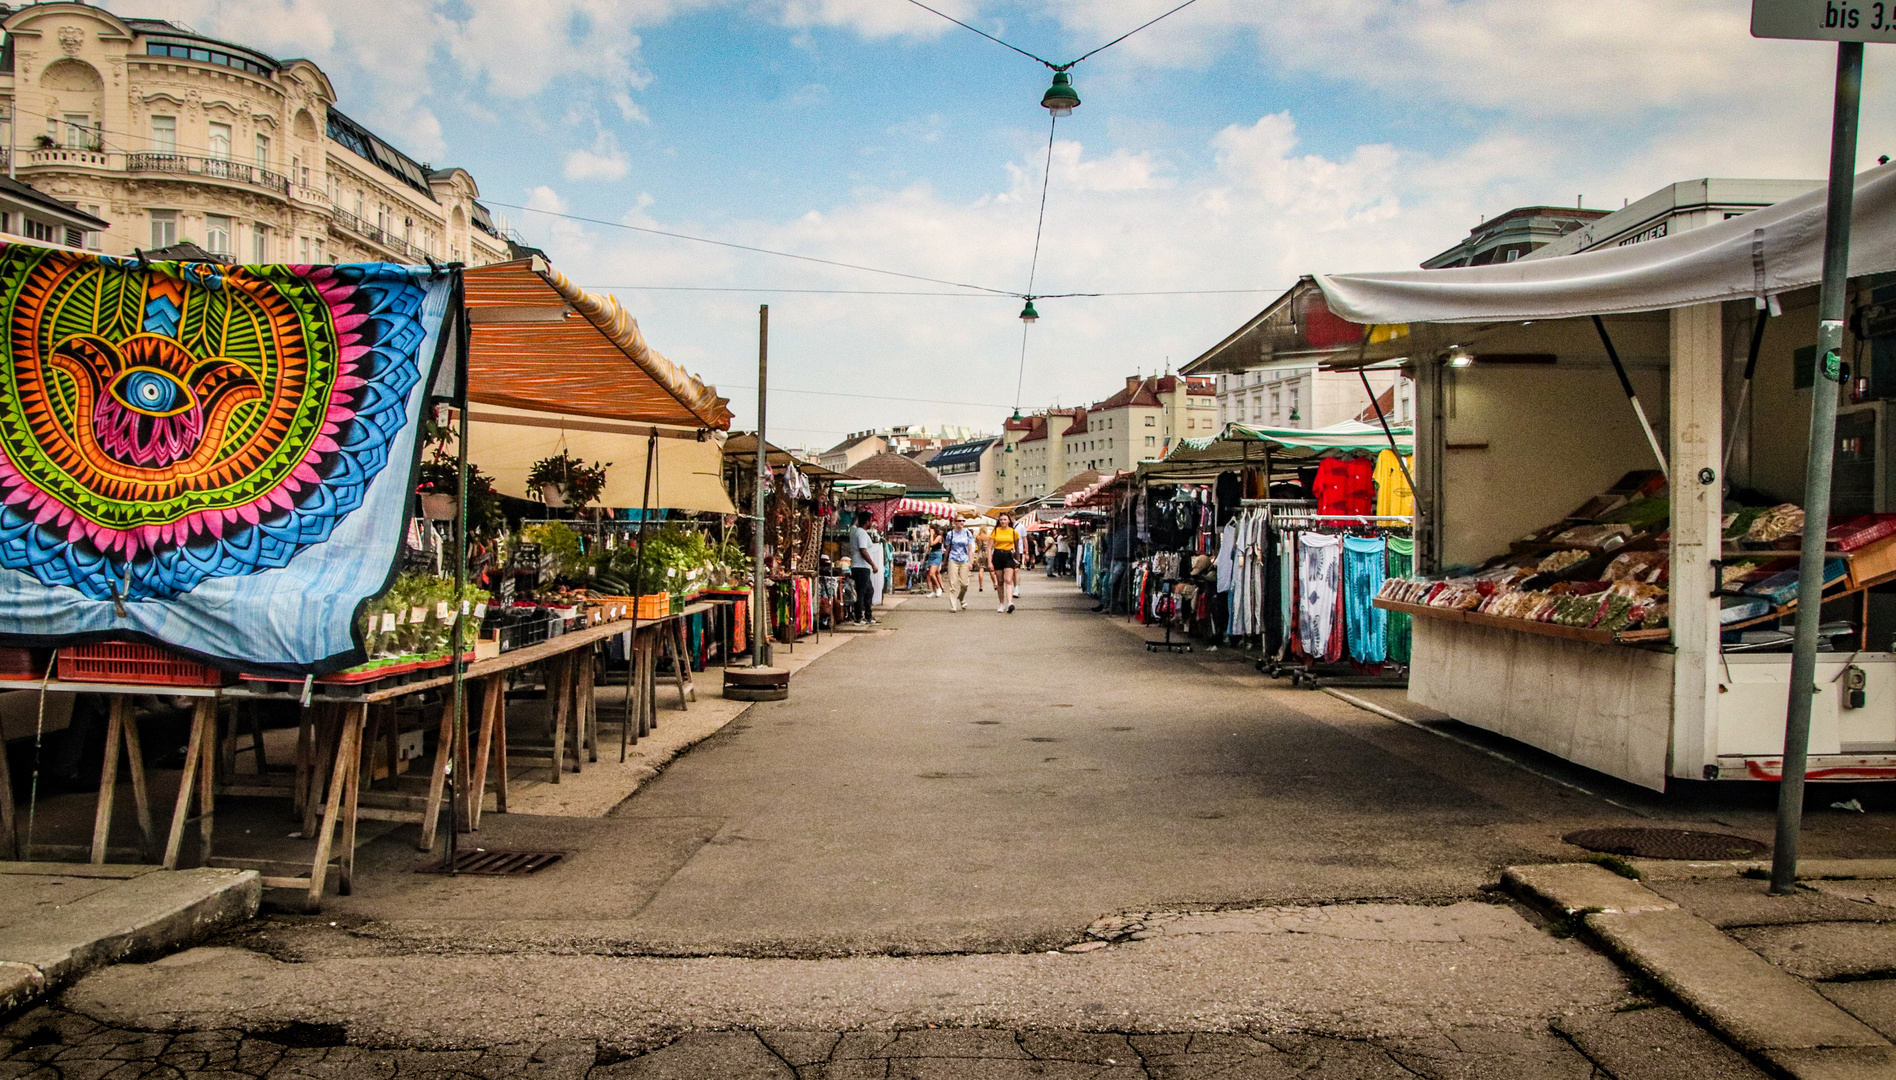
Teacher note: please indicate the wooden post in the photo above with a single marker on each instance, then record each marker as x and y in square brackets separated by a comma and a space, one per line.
[199, 764]
[348, 743]
[437, 780]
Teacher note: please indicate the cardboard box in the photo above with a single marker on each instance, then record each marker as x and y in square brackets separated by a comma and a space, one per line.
[1872, 561]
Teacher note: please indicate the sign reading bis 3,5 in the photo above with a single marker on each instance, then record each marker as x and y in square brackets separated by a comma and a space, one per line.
[1824, 20]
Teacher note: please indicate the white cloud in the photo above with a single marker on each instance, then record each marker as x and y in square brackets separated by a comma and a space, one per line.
[603, 161]
[877, 18]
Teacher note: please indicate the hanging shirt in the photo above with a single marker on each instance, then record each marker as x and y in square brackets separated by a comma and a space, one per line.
[1319, 592]
[1394, 497]
[1227, 548]
[960, 546]
[1344, 486]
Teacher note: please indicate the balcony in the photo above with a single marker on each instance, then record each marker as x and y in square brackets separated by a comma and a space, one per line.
[380, 237]
[212, 168]
[178, 165]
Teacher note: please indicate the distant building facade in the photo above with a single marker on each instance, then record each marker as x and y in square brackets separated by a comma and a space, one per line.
[172, 136]
[970, 469]
[1513, 234]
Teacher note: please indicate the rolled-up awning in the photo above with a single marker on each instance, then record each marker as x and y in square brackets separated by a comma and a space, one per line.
[1754, 255]
[537, 341]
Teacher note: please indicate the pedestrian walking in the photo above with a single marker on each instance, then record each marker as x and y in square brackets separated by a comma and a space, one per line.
[1004, 555]
[981, 560]
[959, 548]
[863, 567]
[932, 560]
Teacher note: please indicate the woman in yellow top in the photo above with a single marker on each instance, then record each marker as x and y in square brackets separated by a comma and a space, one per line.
[1004, 557]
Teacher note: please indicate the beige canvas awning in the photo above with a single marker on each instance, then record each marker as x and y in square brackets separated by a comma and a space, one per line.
[506, 442]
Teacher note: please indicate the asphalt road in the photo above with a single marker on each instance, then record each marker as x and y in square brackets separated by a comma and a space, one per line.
[907, 840]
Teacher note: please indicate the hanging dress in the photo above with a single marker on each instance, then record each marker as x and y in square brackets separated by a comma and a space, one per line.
[1401, 564]
[1319, 585]
[1365, 623]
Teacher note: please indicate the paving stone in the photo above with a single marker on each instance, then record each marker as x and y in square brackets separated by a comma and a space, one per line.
[1655, 1044]
[1872, 1001]
[1098, 1048]
[1837, 1062]
[964, 1068]
[1734, 901]
[1879, 891]
[1825, 950]
[561, 1059]
[955, 1043]
[736, 1055]
[801, 1047]
[849, 1069]
[861, 1044]
[1150, 1046]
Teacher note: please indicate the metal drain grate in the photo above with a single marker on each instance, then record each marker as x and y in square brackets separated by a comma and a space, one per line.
[1666, 844]
[498, 863]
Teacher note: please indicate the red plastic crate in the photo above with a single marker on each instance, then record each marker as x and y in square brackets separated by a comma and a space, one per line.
[141, 665]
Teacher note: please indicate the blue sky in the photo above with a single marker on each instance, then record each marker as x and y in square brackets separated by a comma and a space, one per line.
[1232, 146]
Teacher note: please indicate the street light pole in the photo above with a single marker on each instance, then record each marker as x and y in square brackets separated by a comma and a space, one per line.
[1823, 434]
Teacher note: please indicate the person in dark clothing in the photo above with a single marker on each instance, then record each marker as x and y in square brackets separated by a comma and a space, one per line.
[864, 565]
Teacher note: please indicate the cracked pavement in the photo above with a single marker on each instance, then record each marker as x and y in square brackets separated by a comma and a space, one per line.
[970, 845]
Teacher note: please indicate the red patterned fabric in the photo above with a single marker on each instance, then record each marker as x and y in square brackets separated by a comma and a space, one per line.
[1345, 486]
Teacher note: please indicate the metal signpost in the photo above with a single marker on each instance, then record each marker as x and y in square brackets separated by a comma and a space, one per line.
[1850, 23]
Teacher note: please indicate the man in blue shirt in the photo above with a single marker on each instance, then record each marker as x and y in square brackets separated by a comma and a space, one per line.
[960, 546]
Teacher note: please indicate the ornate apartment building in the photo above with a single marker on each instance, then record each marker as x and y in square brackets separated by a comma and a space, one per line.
[170, 136]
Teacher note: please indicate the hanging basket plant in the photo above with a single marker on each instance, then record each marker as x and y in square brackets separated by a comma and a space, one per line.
[565, 480]
[440, 497]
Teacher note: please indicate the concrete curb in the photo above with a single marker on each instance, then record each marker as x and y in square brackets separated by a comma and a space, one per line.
[145, 914]
[1757, 1007]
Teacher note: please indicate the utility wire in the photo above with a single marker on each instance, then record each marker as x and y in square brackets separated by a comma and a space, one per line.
[903, 292]
[991, 37]
[1033, 265]
[870, 397]
[1057, 67]
[747, 247]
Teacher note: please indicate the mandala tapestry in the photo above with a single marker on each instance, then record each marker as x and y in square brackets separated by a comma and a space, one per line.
[214, 457]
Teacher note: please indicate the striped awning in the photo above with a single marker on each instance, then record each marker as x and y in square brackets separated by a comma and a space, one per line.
[537, 341]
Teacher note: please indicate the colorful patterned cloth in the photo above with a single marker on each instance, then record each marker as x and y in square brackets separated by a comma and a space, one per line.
[215, 458]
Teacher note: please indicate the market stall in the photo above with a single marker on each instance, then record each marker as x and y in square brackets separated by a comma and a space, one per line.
[291, 525]
[799, 513]
[1610, 455]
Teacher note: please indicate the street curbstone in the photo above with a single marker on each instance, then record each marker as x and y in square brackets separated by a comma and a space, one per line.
[1572, 888]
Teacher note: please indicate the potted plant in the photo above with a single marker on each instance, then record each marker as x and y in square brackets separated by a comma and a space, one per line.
[441, 496]
[44, 142]
[565, 480]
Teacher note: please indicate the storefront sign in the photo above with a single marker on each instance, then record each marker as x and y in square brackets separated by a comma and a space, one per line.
[1653, 233]
[1824, 20]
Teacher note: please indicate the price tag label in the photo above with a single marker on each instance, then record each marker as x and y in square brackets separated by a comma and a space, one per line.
[1824, 20]
[388, 622]
[480, 610]
[443, 612]
[417, 614]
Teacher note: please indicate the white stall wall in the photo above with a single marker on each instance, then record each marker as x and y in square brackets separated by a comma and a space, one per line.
[1555, 434]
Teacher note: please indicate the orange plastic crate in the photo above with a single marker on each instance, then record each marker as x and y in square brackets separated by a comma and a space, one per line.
[140, 665]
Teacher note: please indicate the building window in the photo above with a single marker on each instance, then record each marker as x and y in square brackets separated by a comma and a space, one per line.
[164, 228]
[358, 213]
[263, 151]
[259, 245]
[75, 131]
[1151, 421]
[302, 248]
[1277, 406]
[219, 142]
[217, 234]
[164, 134]
[1151, 440]
[92, 235]
[36, 230]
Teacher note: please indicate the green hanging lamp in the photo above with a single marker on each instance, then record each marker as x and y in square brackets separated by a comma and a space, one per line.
[1028, 314]
[1060, 99]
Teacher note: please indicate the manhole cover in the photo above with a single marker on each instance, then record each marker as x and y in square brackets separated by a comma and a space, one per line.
[498, 863]
[1666, 844]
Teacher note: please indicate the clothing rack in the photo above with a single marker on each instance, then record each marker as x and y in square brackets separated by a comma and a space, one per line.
[1312, 672]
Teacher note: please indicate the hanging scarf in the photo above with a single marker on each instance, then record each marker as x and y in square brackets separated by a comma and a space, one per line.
[1365, 623]
[1319, 585]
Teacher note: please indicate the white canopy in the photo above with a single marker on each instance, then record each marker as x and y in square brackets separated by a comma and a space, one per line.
[1755, 255]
